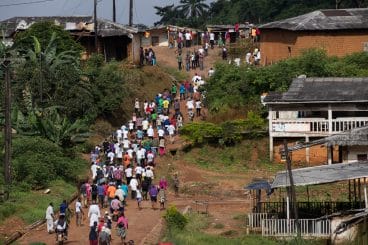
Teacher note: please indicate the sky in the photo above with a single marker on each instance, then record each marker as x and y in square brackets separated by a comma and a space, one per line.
[143, 11]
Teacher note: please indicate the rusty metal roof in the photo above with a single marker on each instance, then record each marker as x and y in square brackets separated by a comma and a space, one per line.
[322, 174]
[319, 90]
[321, 20]
[69, 23]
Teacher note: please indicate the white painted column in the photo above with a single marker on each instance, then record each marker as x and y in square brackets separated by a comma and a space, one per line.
[307, 151]
[329, 119]
[329, 160]
[287, 208]
[270, 117]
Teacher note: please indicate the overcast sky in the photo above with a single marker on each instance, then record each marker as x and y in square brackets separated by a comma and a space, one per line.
[143, 11]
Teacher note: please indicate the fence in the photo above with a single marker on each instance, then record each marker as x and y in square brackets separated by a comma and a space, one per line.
[288, 228]
[255, 219]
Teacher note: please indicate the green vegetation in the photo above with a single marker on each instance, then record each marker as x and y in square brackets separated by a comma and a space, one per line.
[43, 32]
[174, 219]
[227, 133]
[247, 155]
[194, 233]
[22, 201]
[236, 88]
[195, 13]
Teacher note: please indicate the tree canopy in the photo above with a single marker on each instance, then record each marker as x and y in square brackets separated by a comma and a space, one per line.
[195, 13]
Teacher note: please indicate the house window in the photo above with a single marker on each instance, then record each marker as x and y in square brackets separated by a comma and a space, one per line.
[365, 46]
[362, 157]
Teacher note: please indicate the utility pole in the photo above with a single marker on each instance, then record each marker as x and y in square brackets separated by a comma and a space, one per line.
[95, 23]
[113, 11]
[8, 133]
[130, 12]
[291, 193]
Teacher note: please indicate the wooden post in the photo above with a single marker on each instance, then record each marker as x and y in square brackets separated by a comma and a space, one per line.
[365, 194]
[113, 11]
[292, 188]
[360, 194]
[8, 131]
[95, 24]
[130, 12]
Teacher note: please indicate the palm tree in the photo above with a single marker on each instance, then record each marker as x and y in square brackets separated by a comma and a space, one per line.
[193, 8]
[169, 14]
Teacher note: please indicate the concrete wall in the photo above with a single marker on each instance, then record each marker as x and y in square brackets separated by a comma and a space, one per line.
[353, 151]
[277, 44]
[162, 38]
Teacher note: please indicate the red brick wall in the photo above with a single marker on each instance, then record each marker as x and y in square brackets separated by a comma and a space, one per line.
[317, 154]
[275, 42]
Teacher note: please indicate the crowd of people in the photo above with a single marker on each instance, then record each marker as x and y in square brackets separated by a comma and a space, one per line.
[123, 165]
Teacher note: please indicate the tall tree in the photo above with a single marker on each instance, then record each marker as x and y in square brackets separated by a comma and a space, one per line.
[169, 15]
[193, 8]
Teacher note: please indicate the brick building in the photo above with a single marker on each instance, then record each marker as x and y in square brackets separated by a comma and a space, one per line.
[339, 32]
[115, 41]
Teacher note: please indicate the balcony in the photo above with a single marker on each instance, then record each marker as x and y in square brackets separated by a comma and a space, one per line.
[314, 126]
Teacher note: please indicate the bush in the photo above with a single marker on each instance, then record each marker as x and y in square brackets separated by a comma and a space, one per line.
[174, 219]
[37, 161]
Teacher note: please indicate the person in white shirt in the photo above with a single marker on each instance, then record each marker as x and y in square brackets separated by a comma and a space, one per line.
[138, 173]
[131, 126]
[212, 39]
[125, 134]
[111, 156]
[93, 214]
[198, 106]
[128, 174]
[190, 104]
[161, 133]
[78, 212]
[171, 130]
[150, 132]
[188, 39]
[211, 72]
[141, 153]
[119, 135]
[130, 152]
[126, 144]
[149, 174]
[150, 158]
[50, 218]
[145, 124]
[94, 170]
[133, 187]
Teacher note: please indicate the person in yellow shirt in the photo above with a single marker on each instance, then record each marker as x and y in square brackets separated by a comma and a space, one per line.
[165, 105]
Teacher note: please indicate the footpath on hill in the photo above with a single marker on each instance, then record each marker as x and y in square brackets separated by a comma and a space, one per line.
[145, 225]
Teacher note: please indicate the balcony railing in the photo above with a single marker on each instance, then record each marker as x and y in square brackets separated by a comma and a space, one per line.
[317, 125]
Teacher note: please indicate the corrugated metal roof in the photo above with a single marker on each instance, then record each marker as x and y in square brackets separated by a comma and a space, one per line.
[70, 23]
[329, 89]
[322, 174]
[328, 19]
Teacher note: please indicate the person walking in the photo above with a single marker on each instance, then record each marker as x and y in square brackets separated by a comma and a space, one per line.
[93, 234]
[122, 227]
[153, 195]
[50, 218]
[179, 58]
[78, 212]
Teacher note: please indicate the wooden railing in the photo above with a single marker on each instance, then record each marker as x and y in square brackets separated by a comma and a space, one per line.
[317, 125]
[288, 228]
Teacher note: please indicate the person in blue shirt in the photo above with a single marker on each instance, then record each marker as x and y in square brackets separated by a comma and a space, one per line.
[182, 91]
[101, 194]
[125, 189]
